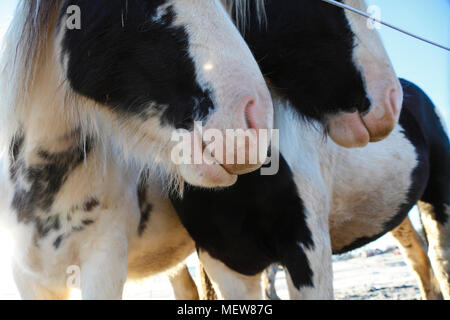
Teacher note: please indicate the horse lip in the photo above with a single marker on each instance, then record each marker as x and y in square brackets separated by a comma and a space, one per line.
[248, 169]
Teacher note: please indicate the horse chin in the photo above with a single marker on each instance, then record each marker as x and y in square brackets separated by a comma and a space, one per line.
[207, 175]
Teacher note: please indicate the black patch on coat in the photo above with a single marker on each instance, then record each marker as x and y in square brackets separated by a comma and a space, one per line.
[431, 177]
[44, 226]
[91, 204]
[16, 146]
[14, 152]
[87, 222]
[125, 60]
[258, 221]
[77, 228]
[306, 53]
[58, 241]
[45, 179]
[145, 208]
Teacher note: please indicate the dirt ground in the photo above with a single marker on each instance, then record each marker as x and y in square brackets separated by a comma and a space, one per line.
[382, 277]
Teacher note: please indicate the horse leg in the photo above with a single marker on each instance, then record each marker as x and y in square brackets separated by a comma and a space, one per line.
[207, 291]
[269, 277]
[184, 287]
[30, 289]
[104, 267]
[309, 273]
[308, 266]
[436, 221]
[413, 251]
[229, 284]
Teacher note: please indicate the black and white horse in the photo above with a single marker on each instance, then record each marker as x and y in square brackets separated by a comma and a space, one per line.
[325, 199]
[324, 53]
[91, 93]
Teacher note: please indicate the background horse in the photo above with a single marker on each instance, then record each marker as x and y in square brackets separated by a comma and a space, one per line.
[86, 109]
[325, 198]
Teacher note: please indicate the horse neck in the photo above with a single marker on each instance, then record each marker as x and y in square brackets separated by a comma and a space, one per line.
[296, 133]
[304, 145]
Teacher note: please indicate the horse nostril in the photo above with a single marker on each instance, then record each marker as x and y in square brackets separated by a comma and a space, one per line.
[396, 101]
[251, 114]
[365, 106]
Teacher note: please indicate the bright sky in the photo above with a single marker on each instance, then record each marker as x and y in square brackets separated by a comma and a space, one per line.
[421, 63]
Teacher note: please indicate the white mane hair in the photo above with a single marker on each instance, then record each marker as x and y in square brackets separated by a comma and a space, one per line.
[28, 59]
[242, 8]
[23, 50]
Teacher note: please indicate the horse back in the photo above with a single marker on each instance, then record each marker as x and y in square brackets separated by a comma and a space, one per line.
[424, 128]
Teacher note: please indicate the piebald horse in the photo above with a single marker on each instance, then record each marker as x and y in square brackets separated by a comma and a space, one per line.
[88, 108]
[325, 199]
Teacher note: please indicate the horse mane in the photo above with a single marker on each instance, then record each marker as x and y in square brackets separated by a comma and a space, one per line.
[28, 37]
[242, 9]
[24, 49]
